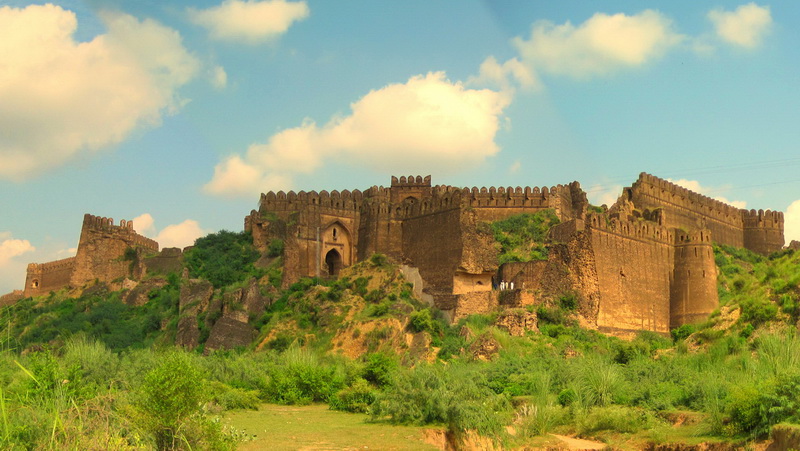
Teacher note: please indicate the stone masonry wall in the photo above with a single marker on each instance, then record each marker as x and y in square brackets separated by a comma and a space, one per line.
[45, 277]
[634, 262]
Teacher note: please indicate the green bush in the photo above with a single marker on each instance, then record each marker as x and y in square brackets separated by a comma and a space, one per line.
[522, 237]
[439, 395]
[379, 368]
[422, 321]
[275, 248]
[169, 395]
[356, 398]
[223, 258]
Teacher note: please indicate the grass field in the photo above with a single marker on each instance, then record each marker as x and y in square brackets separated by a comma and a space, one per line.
[316, 427]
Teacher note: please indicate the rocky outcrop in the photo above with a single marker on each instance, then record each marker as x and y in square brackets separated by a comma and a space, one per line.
[195, 297]
[229, 333]
[517, 322]
[485, 347]
[140, 293]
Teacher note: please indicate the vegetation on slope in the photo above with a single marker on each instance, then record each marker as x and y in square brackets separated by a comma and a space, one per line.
[92, 372]
[523, 237]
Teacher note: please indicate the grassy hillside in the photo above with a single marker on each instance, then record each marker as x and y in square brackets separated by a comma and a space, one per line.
[89, 371]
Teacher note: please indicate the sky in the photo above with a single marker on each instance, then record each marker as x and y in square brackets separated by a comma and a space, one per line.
[178, 114]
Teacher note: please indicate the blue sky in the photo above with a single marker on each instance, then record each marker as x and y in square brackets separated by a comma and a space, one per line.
[179, 114]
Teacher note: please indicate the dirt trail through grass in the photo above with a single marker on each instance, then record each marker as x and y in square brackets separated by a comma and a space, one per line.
[576, 443]
[318, 428]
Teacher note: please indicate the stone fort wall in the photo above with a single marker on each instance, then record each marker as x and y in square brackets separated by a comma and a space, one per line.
[101, 249]
[46, 277]
[758, 231]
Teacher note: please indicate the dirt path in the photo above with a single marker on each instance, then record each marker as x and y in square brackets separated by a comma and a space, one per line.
[577, 443]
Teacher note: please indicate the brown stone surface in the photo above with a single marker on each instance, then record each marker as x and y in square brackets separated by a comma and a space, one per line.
[229, 333]
[517, 322]
[195, 297]
[140, 294]
[101, 249]
[485, 347]
[10, 298]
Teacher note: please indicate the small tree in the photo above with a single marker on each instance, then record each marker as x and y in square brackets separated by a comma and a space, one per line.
[170, 394]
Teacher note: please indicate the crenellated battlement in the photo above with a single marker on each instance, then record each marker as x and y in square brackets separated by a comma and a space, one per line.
[291, 201]
[763, 219]
[124, 230]
[693, 238]
[638, 229]
[666, 191]
[56, 265]
[411, 181]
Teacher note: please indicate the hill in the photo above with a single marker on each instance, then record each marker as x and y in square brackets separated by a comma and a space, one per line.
[97, 367]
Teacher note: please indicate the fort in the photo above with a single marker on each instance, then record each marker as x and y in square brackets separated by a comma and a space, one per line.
[101, 256]
[644, 263]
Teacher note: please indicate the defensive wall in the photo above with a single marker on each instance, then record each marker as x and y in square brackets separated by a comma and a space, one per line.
[45, 277]
[758, 231]
[410, 221]
[100, 256]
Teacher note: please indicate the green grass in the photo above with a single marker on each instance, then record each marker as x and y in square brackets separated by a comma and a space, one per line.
[317, 427]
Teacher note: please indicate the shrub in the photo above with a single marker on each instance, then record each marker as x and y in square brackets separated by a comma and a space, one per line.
[379, 368]
[356, 398]
[223, 258]
[434, 394]
[169, 395]
[275, 248]
[615, 418]
[758, 311]
[422, 321]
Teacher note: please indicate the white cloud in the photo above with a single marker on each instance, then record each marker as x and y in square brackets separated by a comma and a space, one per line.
[695, 186]
[744, 27]
[175, 235]
[601, 45]
[413, 126]
[604, 194]
[219, 78]
[62, 98]
[249, 21]
[180, 235]
[10, 248]
[144, 224]
[791, 222]
[505, 76]
[515, 167]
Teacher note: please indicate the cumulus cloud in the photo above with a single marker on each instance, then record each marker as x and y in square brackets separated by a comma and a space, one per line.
[506, 76]
[426, 122]
[180, 235]
[144, 224]
[695, 186]
[10, 248]
[219, 78]
[744, 27]
[249, 21]
[603, 194]
[175, 235]
[791, 222]
[601, 45]
[62, 98]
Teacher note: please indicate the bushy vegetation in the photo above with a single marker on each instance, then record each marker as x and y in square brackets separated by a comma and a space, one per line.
[522, 237]
[92, 372]
[224, 258]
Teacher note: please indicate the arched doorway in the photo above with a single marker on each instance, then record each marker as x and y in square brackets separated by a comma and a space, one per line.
[334, 261]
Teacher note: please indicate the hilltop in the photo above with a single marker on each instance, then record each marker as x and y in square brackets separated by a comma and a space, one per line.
[370, 339]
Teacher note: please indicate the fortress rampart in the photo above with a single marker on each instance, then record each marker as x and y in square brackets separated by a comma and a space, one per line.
[100, 256]
[45, 277]
[760, 232]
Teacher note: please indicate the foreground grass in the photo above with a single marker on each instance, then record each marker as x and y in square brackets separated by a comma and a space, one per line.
[277, 427]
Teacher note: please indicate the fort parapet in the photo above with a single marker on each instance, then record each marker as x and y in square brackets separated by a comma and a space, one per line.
[100, 256]
[760, 231]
